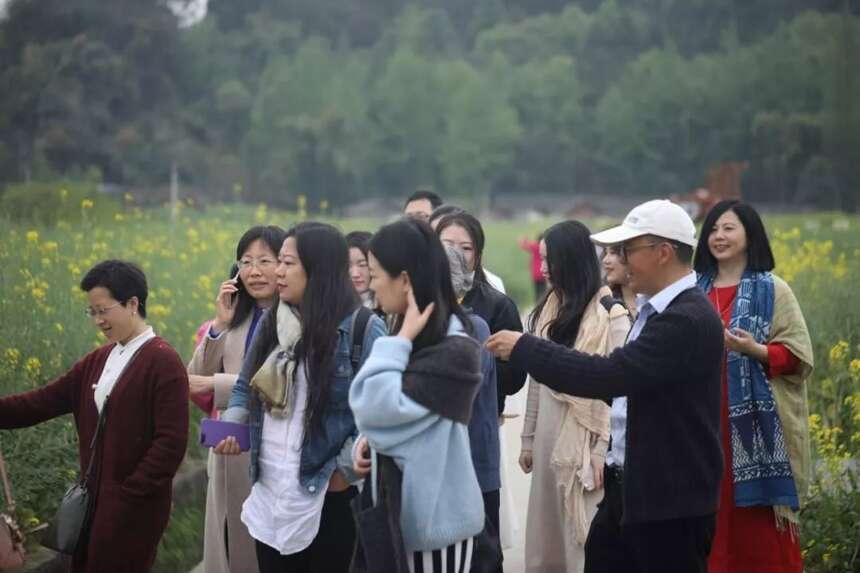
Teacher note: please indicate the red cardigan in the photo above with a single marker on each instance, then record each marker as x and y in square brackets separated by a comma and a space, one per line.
[144, 441]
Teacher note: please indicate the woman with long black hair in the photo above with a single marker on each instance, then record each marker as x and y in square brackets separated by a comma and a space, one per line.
[413, 399]
[293, 389]
[359, 273]
[212, 372]
[565, 438]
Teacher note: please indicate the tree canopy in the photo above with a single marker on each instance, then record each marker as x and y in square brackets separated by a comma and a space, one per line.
[340, 100]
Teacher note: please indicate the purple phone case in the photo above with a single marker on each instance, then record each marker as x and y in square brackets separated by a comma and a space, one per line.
[213, 431]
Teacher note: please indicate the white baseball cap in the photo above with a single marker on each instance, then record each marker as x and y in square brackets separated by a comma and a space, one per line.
[659, 217]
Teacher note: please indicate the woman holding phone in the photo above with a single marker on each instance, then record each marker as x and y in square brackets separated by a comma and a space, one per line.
[212, 372]
[292, 390]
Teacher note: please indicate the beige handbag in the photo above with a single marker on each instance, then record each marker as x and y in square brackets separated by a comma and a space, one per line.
[11, 537]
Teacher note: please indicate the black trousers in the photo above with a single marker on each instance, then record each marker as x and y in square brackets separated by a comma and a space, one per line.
[674, 545]
[330, 551]
[492, 501]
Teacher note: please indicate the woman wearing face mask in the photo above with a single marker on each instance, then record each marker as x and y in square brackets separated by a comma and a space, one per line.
[764, 413]
[293, 391]
[484, 425]
[413, 398]
[465, 232]
[565, 439]
[359, 273]
[212, 372]
[139, 384]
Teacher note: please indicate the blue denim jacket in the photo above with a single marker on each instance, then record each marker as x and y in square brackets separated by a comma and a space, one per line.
[322, 451]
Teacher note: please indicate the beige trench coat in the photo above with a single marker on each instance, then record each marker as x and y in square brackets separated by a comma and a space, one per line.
[229, 481]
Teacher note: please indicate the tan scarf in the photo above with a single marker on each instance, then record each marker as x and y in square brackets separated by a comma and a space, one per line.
[274, 380]
[585, 420]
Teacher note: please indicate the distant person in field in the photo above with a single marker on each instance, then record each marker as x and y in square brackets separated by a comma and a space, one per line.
[464, 231]
[420, 204]
[538, 279]
[764, 414]
[138, 383]
[565, 439]
[240, 304]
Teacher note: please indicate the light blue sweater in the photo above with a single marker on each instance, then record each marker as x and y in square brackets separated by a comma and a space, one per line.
[442, 501]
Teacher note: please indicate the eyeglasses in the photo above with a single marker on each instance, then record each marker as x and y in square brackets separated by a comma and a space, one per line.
[262, 264]
[101, 313]
[624, 250]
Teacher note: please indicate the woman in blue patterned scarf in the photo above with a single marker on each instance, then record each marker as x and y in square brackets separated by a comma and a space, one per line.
[768, 360]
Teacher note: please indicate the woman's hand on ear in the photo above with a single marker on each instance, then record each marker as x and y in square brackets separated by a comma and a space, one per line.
[414, 320]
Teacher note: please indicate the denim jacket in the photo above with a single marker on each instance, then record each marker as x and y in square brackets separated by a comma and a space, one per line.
[322, 451]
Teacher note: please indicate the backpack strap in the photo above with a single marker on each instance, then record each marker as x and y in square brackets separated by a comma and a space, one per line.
[360, 323]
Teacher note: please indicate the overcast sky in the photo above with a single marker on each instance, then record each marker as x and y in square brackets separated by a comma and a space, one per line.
[195, 11]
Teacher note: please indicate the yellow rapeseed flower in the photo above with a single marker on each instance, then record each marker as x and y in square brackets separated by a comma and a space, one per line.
[32, 236]
[11, 356]
[838, 353]
[159, 310]
[87, 204]
[33, 366]
[854, 370]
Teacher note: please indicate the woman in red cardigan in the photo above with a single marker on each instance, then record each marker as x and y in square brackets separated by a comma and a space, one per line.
[143, 442]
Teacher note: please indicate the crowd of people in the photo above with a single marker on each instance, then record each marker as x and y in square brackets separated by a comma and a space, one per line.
[664, 429]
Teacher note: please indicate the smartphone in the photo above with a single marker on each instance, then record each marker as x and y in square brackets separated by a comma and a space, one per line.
[213, 431]
[234, 275]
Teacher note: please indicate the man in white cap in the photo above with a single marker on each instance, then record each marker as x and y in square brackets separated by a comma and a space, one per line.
[664, 466]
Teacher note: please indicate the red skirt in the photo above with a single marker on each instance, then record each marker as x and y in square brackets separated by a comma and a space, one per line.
[747, 539]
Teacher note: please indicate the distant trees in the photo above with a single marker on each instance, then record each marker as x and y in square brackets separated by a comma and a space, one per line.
[336, 100]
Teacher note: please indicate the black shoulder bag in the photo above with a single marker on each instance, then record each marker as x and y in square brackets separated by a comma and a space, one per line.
[71, 523]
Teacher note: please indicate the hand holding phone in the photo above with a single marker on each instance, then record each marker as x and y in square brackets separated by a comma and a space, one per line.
[225, 303]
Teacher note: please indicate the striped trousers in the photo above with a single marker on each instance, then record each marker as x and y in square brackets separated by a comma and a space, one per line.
[456, 558]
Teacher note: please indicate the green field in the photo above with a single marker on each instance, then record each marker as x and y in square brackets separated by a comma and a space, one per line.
[43, 329]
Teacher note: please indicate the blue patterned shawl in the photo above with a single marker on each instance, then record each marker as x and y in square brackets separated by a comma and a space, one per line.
[760, 466]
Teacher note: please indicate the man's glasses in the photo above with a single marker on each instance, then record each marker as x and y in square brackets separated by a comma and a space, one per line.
[624, 250]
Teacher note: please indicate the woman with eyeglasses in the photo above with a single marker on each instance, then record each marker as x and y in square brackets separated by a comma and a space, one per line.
[292, 391]
[212, 372]
[138, 383]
